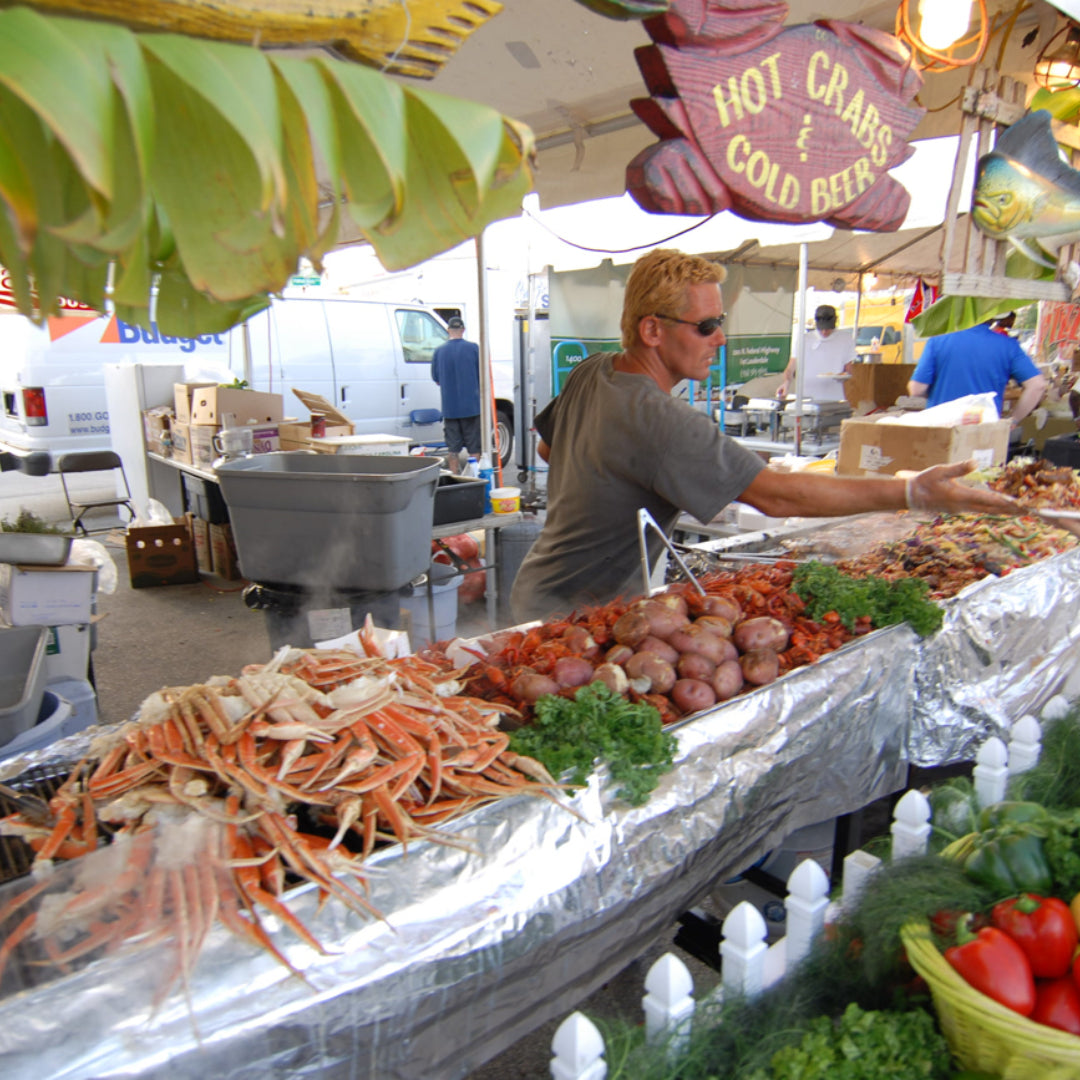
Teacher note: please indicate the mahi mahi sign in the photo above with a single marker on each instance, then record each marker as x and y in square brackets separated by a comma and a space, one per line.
[793, 124]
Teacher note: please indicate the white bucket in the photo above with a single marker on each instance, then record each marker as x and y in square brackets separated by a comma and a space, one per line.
[505, 500]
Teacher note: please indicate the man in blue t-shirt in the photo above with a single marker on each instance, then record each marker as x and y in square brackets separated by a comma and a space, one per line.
[977, 361]
[456, 368]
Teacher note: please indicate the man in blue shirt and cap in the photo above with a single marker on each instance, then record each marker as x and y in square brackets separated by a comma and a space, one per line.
[977, 361]
[456, 368]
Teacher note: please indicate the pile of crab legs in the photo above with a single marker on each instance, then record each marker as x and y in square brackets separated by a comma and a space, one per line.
[201, 799]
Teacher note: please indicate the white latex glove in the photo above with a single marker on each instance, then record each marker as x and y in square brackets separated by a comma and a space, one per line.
[937, 489]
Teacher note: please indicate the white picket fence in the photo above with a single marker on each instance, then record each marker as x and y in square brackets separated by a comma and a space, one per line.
[750, 965]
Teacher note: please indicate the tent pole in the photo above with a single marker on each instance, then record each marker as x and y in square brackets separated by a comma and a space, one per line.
[800, 345]
[486, 434]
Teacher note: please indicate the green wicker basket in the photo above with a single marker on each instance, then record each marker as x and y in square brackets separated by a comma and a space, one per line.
[985, 1036]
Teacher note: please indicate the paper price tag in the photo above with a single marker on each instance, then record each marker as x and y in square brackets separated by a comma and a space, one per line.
[871, 459]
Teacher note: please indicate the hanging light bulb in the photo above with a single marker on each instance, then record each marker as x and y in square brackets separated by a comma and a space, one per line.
[943, 22]
[1060, 69]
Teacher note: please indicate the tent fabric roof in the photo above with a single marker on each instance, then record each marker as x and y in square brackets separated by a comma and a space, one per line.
[836, 262]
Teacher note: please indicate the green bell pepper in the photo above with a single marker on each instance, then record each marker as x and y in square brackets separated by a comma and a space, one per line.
[1010, 863]
[1012, 813]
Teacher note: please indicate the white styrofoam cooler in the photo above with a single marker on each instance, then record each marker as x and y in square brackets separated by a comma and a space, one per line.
[46, 596]
[67, 651]
[363, 444]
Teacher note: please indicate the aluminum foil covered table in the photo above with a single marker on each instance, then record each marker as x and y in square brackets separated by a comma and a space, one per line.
[480, 947]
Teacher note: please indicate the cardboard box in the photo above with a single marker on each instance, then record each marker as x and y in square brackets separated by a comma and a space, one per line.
[222, 406]
[870, 448]
[67, 651]
[157, 424]
[375, 445]
[877, 384]
[161, 555]
[200, 537]
[296, 434]
[47, 595]
[1052, 426]
[203, 454]
[180, 435]
[265, 438]
[182, 399]
[223, 552]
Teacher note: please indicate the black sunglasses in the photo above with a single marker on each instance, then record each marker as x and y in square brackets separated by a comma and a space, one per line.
[706, 328]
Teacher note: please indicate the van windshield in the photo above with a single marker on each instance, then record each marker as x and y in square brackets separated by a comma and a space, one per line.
[866, 334]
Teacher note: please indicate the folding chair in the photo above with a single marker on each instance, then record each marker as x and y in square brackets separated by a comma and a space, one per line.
[92, 461]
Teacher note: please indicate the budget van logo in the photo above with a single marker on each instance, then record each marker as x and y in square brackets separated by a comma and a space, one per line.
[118, 332]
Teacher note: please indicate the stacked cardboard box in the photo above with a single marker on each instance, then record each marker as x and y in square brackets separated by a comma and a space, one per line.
[296, 434]
[157, 429]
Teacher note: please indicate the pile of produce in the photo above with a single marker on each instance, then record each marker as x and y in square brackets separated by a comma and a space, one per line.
[682, 651]
[1002, 909]
[202, 808]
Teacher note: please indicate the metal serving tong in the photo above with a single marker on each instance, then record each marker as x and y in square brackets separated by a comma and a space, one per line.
[646, 520]
[1048, 512]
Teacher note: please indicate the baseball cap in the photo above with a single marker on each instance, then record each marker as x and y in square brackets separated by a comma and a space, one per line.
[825, 316]
[455, 322]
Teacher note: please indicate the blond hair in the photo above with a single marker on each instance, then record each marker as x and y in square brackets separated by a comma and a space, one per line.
[658, 284]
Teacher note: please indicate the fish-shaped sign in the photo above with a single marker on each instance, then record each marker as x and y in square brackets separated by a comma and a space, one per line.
[1026, 190]
[792, 124]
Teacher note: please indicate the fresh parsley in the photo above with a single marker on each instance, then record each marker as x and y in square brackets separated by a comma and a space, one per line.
[568, 736]
[864, 1046]
[824, 588]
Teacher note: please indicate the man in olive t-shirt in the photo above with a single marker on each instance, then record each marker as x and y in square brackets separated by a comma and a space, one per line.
[616, 440]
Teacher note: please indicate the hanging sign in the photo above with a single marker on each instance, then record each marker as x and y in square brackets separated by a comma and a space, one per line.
[794, 124]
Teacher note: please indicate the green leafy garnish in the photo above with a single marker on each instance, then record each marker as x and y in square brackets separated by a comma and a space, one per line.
[569, 736]
[824, 588]
[864, 1046]
[29, 522]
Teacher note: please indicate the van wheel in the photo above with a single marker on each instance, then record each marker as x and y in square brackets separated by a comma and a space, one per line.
[504, 434]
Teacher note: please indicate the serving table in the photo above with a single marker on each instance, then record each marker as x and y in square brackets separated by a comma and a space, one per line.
[481, 946]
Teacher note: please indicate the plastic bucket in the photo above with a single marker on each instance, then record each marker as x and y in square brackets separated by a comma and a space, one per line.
[436, 621]
[505, 500]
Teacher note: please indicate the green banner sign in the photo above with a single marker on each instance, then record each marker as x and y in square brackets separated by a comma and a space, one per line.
[751, 355]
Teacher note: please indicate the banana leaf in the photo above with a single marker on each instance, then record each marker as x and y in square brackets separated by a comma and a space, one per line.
[186, 172]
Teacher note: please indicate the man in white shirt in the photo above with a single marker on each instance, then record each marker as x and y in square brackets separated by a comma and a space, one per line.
[829, 352]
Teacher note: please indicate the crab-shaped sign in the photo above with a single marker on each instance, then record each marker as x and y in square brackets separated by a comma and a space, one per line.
[791, 124]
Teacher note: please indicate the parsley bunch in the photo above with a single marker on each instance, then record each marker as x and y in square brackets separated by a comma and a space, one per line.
[824, 588]
[864, 1046]
[569, 736]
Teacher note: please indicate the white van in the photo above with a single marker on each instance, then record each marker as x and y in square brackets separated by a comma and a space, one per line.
[371, 359]
[52, 383]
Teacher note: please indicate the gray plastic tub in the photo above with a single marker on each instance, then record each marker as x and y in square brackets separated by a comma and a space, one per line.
[22, 678]
[347, 521]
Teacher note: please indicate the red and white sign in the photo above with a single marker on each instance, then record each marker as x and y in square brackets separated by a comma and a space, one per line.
[794, 124]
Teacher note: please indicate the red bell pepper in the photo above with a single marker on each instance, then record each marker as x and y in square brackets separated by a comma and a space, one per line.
[1057, 1004]
[1044, 928]
[995, 965]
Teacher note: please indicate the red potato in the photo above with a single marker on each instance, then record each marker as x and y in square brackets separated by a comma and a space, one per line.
[701, 640]
[693, 695]
[673, 600]
[760, 666]
[695, 666]
[618, 654]
[530, 685]
[630, 629]
[580, 642]
[762, 632]
[728, 679]
[647, 667]
[664, 620]
[660, 647]
[572, 671]
[723, 606]
[613, 677]
[715, 624]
